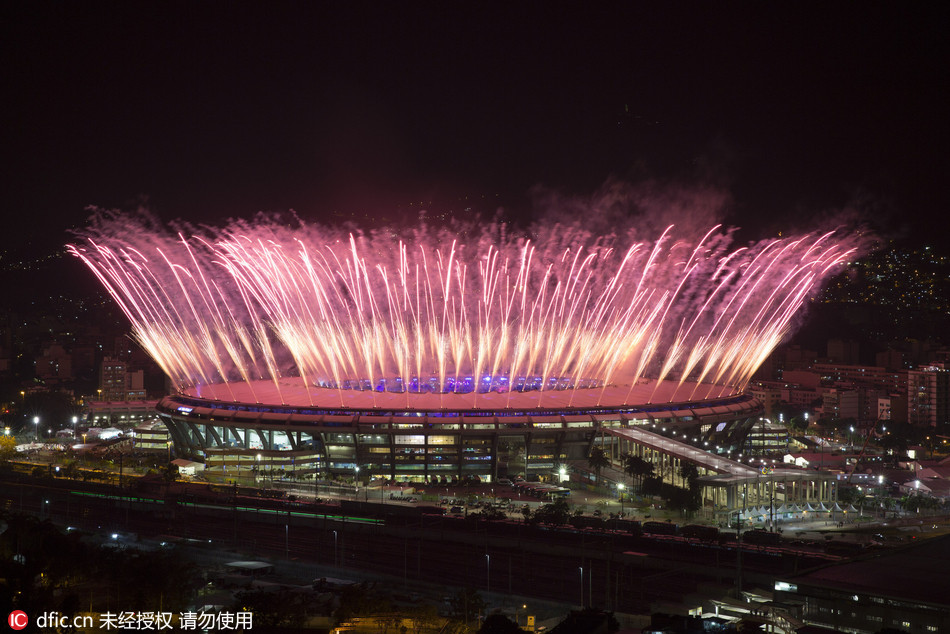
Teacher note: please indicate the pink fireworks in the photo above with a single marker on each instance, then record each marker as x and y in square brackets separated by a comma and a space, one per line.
[472, 309]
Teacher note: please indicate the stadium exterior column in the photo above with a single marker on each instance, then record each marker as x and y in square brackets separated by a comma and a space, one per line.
[392, 456]
[527, 453]
[493, 470]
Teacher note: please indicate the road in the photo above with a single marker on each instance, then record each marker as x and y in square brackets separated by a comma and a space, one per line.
[615, 571]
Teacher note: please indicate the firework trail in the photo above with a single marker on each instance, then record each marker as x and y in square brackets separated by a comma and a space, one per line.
[471, 308]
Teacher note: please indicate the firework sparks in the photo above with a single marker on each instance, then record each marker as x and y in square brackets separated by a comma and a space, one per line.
[462, 311]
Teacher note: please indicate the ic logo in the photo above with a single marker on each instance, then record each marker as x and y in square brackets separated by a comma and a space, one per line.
[18, 619]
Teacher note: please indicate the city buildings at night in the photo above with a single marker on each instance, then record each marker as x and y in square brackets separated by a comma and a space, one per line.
[919, 396]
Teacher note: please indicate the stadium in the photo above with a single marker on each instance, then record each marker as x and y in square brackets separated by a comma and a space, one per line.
[436, 438]
[437, 354]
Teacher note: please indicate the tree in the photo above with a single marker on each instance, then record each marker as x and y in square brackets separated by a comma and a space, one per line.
[467, 604]
[637, 467]
[652, 485]
[689, 474]
[281, 609]
[499, 624]
[798, 424]
[587, 620]
[929, 442]
[170, 473]
[490, 514]
[425, 618]
[894, 440]
[71, 470]
[50, 406]
[557, 512]
[681, 499]
[358, 599]
[7, 448]
[597, 460]
[673, 496]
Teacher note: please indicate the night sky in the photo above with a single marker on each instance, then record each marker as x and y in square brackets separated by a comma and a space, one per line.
[208, 110]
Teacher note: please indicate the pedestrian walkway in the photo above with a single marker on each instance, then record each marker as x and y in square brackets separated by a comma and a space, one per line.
[712, 463]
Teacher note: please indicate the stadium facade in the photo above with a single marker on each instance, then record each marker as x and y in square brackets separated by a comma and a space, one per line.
[434, 437]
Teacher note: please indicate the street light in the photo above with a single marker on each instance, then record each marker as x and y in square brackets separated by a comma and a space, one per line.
[36, 428]
[581, 568]
[620, 488]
